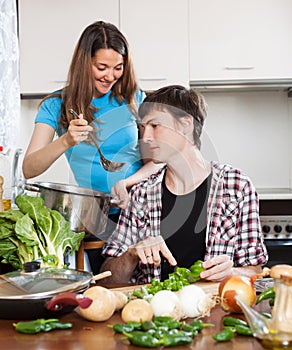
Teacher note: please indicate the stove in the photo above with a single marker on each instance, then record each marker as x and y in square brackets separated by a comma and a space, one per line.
[277, 226]
[276, 222]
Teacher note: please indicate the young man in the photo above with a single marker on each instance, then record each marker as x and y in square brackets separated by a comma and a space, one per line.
[191, 209]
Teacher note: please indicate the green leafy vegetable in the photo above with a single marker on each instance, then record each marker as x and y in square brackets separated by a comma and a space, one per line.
[35, 232]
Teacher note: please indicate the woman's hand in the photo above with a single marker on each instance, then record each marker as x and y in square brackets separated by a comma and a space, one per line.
[120, 193]
[217, 268]
[148, 251]
[77, 131]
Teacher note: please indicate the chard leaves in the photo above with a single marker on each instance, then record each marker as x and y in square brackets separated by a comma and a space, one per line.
[35, 232]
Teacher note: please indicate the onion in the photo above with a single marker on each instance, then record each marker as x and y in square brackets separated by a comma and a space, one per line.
[241, 286]
[166, 303]
[137, 310]
[194, 301]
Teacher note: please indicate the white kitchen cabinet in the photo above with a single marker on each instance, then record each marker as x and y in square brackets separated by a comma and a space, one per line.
[248, 39]
[157, 32]
[48, 33]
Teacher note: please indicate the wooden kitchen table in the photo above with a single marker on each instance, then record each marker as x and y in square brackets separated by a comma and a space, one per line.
[87, 335]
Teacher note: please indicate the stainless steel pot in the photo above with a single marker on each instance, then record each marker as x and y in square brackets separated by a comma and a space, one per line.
[85, 209]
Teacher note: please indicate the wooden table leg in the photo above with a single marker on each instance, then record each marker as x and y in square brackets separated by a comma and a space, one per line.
[80, 257]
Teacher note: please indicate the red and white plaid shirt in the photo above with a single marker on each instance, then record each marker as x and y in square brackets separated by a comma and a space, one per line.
[233, 224]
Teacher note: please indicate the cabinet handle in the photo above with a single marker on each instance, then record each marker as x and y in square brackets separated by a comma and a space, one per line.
[152, 79]
[238, 68]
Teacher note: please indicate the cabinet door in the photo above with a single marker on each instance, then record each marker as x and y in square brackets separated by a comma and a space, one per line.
[248, 39]
[157, 32]
[48, 32]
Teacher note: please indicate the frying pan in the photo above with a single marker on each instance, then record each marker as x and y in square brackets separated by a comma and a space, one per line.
[45, 293]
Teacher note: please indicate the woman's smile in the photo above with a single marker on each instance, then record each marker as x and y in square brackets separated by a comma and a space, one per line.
[107, 69]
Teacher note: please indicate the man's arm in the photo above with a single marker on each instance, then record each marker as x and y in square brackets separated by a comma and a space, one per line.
[147, 251]
[121, 267]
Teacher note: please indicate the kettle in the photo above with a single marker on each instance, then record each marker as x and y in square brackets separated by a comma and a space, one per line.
[276, 332]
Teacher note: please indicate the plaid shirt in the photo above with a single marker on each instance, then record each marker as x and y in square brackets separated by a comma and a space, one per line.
[233, 224]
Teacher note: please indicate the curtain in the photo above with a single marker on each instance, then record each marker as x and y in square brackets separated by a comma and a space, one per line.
[9, 75]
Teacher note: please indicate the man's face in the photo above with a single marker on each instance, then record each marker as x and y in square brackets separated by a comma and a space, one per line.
[162, 134]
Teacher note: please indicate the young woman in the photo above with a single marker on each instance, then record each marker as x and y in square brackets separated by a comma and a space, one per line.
[102, 89]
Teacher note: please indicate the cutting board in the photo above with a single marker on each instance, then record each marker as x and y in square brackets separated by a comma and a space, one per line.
[208, 287]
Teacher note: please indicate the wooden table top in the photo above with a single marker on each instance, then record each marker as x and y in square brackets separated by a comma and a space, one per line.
[86, 335]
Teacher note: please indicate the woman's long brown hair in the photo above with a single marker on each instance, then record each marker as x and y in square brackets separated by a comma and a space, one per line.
[80, 88]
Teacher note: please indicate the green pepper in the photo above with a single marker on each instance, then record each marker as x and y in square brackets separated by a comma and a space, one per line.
[266, 294]
[135, 325]
[181, 332]
[122, 328]
[175, 340]
[143, 339]
[167, 322]
[225, 335]
[243, 330]
[266, 314]
[187, 327]
[138, 293]
[162, 320]
[196, 270]
[152, 331]
[199, 325]
[160, 331]
[146, 325]
[40, 325]
[231, 321]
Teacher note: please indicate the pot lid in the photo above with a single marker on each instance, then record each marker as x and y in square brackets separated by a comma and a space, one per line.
[42, 283]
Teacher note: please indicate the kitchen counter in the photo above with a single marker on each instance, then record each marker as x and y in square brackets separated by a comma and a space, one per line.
[86, 335]
[274, 193]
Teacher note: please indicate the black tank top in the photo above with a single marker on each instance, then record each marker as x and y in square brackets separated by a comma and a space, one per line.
[183, 225]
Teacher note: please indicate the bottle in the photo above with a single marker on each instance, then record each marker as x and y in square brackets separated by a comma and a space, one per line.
[5, 172]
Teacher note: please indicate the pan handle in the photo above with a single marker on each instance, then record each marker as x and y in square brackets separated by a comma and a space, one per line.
[32, 187]
[58, 302]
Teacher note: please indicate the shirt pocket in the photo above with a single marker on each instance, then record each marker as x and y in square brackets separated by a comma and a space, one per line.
[228, 221]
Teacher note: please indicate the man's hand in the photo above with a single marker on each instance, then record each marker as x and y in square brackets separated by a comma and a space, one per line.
[149, 250]
[217, 268]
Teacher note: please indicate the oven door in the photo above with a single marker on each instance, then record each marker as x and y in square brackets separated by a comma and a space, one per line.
[280, 251]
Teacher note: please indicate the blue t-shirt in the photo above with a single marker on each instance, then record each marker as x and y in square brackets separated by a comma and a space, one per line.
[118, 137]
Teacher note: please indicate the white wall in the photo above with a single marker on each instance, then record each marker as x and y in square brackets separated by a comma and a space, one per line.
[252, 131]
[59, 171]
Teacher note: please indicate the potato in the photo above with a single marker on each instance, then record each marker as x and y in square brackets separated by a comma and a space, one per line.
[103, 305]
[121, 299]
[137, 310]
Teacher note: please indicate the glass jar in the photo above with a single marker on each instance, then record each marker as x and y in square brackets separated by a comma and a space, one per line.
[5, 172]
[282, 311]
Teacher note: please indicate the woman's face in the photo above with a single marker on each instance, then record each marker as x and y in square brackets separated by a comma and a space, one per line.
[107, 68]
